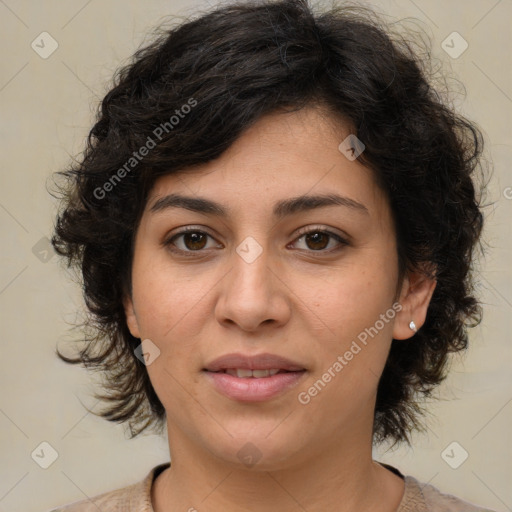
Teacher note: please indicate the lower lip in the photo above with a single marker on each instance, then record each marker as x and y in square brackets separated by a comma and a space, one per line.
[253, 389]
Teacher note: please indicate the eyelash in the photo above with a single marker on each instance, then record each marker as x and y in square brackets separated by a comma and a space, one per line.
[169, 242]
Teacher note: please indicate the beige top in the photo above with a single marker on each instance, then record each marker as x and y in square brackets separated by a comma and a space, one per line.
[417, 497]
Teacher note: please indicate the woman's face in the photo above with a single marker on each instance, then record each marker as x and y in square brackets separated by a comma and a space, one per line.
[252, 281]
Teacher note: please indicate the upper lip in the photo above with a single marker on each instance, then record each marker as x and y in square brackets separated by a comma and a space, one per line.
[256, 362]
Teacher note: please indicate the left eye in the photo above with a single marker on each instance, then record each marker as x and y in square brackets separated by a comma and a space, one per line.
[317, 238]
[194, 240]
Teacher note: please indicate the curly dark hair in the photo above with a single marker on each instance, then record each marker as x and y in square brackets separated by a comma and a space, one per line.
[217, 75]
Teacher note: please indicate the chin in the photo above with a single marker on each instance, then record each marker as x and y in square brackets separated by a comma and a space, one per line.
[257, 451]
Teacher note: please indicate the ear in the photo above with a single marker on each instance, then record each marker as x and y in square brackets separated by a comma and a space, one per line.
[131, 318]
[417, 290]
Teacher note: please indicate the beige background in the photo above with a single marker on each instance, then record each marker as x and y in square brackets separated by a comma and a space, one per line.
[47, 107]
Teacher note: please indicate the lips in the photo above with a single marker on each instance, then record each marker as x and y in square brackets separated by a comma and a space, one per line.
[253, 378]
[258, 362]
[243, 373]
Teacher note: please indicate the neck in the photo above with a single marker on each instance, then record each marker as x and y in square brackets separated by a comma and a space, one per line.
[340, 477]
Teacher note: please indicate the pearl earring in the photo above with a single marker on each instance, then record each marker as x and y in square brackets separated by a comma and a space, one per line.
[412, 326]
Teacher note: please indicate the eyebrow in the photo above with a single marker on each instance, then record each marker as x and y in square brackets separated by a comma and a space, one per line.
[281, 209]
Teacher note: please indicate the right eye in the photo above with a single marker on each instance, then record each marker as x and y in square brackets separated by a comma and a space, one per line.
[192, 240]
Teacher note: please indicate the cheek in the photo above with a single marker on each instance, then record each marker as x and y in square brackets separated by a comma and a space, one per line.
[167, 299]
[350, 354]
[170, 312]
[353, 317]
[350, 298]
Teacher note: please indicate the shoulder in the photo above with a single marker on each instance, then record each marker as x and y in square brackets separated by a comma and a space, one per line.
[132, 498]
[116, 501]
[421, 497]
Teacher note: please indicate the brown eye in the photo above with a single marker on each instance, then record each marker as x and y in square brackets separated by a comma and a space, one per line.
[318, 240]
[188, 241]
[194, 240]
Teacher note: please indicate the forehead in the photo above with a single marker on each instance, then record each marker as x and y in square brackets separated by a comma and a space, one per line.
[282, 155]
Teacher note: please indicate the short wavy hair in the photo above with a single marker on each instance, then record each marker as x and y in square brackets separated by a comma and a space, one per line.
[191, 92]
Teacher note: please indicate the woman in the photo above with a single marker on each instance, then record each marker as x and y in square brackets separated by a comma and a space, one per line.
[275, 221]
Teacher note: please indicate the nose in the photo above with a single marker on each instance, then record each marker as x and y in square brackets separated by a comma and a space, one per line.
[253, 293]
